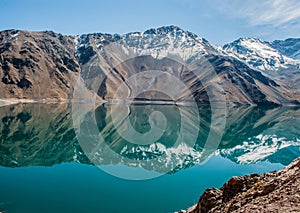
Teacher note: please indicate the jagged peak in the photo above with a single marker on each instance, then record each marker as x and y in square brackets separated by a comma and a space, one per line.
[243, 40]
[172, 29]
[171, 34]
[164, 29]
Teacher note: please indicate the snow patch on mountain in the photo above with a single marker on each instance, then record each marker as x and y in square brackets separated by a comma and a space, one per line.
[172, 40]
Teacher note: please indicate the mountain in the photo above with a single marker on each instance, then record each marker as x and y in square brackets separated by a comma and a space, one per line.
[161, 49]
[277, 60]
[158, 43]
[37, 65]
[47, 65]
[289, 47]
[262, 55]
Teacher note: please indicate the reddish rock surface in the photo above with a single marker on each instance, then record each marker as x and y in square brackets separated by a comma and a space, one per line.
[270, 192]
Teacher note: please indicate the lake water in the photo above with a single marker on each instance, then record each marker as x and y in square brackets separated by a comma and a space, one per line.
[44, 167]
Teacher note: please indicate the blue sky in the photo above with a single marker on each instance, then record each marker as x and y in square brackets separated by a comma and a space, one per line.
[219, 21]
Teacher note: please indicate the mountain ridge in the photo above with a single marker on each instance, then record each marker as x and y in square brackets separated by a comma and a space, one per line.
[29, 58]
[259, 54]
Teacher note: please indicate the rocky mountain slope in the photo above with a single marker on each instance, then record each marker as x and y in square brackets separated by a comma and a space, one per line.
[46, 65]
[269, 192]
[37, 65]
[161, 49]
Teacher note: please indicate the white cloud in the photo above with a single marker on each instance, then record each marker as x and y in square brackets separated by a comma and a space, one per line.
[264, 12]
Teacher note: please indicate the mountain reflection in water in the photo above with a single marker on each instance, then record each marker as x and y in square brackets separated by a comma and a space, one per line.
[43, 135]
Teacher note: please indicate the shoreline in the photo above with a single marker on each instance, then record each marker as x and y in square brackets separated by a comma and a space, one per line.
[10, 101]
[277, 191]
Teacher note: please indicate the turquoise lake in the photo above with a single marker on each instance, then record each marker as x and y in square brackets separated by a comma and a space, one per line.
[47, 166]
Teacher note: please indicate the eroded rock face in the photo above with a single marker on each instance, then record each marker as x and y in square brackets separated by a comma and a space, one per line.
[37, 65]
[270, 192]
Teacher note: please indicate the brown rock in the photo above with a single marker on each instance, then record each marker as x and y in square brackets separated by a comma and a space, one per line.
[37, 65]
[270, 192]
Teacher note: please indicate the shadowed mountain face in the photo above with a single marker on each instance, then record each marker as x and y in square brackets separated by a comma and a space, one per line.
[43, 134]
[46, 65]
[289, 47]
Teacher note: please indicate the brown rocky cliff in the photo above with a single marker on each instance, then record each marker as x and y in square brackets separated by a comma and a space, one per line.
[37, 65]
[270, 192]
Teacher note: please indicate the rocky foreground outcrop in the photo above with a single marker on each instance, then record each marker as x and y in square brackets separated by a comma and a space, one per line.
[277, 191]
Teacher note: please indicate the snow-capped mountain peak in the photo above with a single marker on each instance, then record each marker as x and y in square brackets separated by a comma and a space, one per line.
[172, 40]
[258, 54]
[158, 42]
[176, 33]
